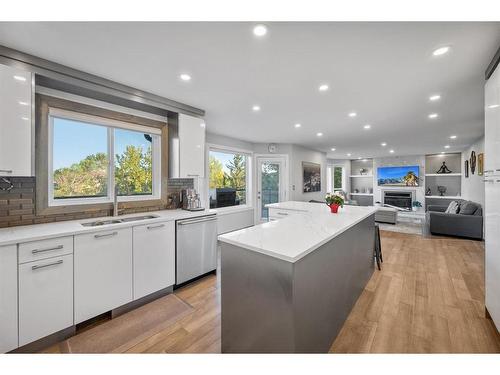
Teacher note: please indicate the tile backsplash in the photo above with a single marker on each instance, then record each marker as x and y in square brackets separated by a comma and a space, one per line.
[17, 206]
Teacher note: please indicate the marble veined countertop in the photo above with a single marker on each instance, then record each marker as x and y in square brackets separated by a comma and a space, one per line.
[308, 226]
[35, 232]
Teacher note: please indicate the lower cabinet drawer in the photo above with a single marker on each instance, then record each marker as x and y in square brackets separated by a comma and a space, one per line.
[37, 250]
[45, 297]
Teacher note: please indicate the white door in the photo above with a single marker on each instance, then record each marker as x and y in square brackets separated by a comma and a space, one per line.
[154, 258]
[103, 272]
[271, 183]
[45, 297]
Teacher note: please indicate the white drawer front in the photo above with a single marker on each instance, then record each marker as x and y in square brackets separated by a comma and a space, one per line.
[37, 250]
[45, 297]
[103, 272]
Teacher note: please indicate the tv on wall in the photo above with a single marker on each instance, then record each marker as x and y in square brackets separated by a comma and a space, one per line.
[398, 176]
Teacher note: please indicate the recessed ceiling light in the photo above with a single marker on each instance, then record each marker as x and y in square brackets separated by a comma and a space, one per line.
[365, 160]
[297, 125]
[391, 151]
[323, 87]
[433, 115]
[453, 137]
[25, 118]
[383, 144]
[333, 149]
[359, 158]
[367, 126]
[442, 152]
[433, 98]
[319, 134]
[349, 154]
[494, 106]
[260, 30]
[352, 114]
[20, 78]
[23, 103]
[185, 77]
[441, 51]
[256, 108]
[447, 146]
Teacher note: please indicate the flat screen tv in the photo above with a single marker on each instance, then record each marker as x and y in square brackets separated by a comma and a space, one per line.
[398, 176]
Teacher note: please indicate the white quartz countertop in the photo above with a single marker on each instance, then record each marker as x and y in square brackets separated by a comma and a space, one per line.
[309, 226]
[35, 232]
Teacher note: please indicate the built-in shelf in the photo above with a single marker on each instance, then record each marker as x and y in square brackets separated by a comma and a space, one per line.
[443, 174]
[362, 175]
[366, 194]
[443, 197]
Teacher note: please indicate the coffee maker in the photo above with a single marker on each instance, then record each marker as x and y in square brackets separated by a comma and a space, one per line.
[190, 200]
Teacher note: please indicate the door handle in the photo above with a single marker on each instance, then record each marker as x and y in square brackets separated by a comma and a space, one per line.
[36, 251]
[105, 235]
[155, 226]
[37, 267]
[6, 170]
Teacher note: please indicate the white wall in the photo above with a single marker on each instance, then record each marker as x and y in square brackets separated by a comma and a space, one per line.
[397, 161]
[473, 187]
[300, 154]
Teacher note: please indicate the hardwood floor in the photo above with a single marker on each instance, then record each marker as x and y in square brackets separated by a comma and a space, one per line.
[428, 298]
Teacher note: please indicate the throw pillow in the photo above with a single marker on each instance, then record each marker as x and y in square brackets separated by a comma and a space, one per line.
[468, 208]
[452, 208]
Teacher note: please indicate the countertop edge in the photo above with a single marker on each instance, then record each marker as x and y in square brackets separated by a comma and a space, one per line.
[301, 255]
[83, 230]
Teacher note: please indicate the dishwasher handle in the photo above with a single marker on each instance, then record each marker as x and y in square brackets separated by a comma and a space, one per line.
[204, 220]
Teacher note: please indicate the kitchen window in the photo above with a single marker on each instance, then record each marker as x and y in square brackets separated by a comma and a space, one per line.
[90, 155]
[228, 178]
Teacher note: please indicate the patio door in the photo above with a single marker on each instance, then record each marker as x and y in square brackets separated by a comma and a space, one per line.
[271, 183]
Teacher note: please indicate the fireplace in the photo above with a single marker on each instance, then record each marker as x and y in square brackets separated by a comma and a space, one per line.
[399, 199]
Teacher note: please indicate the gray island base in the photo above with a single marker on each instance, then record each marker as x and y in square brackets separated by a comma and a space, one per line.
[271, 305]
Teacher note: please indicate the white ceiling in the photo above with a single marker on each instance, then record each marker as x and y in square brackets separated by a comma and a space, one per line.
[383, 71]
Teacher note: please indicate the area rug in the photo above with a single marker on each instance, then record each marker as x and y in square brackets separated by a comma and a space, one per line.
[119, 334]
[402, 227]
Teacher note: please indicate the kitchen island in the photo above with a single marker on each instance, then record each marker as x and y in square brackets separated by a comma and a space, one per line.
[288, 285]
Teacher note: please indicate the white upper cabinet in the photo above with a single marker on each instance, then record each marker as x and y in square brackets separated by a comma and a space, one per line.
[191, 146]
[492, 124]
[16, 93]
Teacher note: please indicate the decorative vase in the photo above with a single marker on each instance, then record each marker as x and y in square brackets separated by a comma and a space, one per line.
[334, 207]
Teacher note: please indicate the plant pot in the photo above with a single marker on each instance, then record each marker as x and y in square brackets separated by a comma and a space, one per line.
[334, 208]
[414, 209]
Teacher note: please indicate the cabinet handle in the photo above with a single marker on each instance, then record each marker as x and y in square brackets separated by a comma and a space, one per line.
[37, 267]
[282, 214]
[155, 226]
[490, 171]
[36, 251]
[105, 235]
[6, 170]
[193, 175]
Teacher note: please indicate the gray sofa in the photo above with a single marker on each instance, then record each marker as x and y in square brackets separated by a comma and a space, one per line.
[468, 223]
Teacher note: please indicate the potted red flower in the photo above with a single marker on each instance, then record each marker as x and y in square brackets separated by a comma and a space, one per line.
[334, 201]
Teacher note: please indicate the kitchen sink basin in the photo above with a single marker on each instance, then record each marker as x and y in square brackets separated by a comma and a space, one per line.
[99, 223]
[136, 218]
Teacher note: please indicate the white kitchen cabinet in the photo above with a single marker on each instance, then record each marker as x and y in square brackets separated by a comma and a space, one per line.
[103, 272]
[492, 124]
[8, 298]
[16, 130]
[45, 297]
[154, 257]
[191, 146]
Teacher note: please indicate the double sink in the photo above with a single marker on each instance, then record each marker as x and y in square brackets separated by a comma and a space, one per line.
[99, 223]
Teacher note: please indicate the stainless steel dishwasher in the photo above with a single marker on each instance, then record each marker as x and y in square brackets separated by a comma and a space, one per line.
[196, 247]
